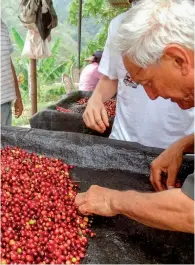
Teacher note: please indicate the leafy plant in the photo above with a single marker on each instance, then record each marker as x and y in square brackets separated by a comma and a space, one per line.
[49, 70]
[18, 39]
[103, 13]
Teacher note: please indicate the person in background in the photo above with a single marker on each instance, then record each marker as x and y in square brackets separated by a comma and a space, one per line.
[90, 75]
[138, 119]
[156, 41]
[9, 84]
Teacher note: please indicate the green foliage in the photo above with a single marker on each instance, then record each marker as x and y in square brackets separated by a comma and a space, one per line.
[103, 13]
[55, 47]
[51, 92]
[55, 73]
[45, 65]
[48, 70]
[99, 9]
[21, 64]
[24, 118]
[48, 95]
[97, 15]
[18, 39]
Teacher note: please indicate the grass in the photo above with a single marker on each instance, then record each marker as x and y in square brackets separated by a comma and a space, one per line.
[24, 118]
[47, 95]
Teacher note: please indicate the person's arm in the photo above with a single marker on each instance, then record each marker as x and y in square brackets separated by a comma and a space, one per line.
[18, 105]
[95, 115]
[105, 89]
[167, 210]
[187, 144]
[169, 162]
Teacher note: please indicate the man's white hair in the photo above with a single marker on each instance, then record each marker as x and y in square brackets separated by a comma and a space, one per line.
[151, 25]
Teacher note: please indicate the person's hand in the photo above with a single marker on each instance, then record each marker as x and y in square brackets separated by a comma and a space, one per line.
[168, 162]
[97, 200]
[95, 115]
[18, 106]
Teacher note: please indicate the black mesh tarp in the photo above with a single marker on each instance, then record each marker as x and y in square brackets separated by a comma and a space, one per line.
[118, 165]
[51, 119]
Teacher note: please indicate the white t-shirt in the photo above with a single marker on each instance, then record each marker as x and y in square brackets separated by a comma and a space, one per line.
[139, 119]
[8, 93]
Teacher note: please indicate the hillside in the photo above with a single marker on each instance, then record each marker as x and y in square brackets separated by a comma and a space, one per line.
[66, 32]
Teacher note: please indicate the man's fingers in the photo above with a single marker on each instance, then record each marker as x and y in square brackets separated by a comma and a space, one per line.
[86, 120]
[80, 198]
[18, 109]
[105, 117]
[16, 114]
[98, 120]
[19, 113]
[156, 179]
[93, 124]
[84, 209]
[153, 182]
[151, 179]
[89, 120]
[171, 179]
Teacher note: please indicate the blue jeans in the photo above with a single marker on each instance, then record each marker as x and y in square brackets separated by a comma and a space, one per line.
[6, 114]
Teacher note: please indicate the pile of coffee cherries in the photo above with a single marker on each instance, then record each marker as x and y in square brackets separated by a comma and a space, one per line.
[110, 105]
[60, 109]
[83, 101]
[40, 223]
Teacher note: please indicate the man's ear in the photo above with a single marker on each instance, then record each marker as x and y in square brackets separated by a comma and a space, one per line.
[180, 57]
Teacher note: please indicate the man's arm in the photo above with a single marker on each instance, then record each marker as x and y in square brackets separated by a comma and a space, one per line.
[95, 115]
[187, 144]
[167, 210]
[169, 162]
[18, 102]
[105, 89]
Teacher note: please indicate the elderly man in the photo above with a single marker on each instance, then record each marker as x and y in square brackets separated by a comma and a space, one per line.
[138, 119]
[157, 44]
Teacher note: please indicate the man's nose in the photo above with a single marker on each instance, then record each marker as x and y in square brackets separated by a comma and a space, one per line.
[151, 94]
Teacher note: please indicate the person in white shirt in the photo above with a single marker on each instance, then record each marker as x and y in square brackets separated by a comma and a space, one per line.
[138, 119]
[9, 85]
[156, 42]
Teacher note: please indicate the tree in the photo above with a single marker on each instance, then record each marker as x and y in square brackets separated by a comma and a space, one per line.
[102, 12]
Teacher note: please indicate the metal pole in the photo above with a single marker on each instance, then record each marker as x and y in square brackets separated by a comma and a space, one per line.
[33, 85]
[79, 34]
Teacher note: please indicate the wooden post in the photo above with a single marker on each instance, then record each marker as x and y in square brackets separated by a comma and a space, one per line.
[33, 85]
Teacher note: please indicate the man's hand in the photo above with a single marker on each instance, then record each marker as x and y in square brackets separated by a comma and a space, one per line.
[18, 106]
[168, 162]
[97, 200]
[95, 115]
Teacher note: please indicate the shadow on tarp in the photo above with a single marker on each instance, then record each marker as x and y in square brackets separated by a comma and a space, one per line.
[53, 120]
[119, 165]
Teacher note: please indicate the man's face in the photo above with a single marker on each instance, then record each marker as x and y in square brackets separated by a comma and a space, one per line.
[165, 79]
